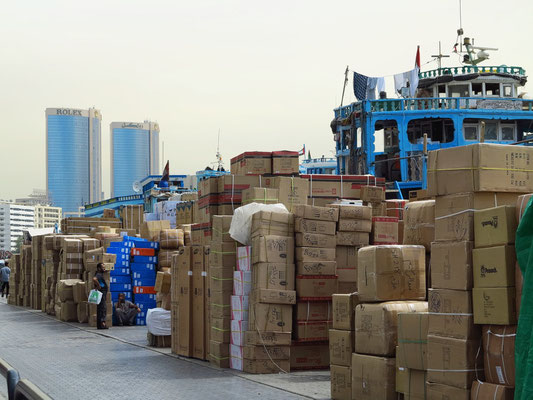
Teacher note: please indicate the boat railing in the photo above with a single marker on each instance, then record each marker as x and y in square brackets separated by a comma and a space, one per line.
[472, 69]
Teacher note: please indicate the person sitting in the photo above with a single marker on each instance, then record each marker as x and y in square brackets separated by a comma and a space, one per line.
[125, 311]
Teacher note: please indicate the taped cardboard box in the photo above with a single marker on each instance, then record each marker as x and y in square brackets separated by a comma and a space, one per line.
[373, 377]
[311, 226]
[163, 282]
[306, 356]
[312, 287]
[344, 310]
[68, 311]
[316, 213]
[254, 338]
[454, 214]
[385, 230]
[353, 211]
[273, 249]
[346, 256]
[437, 391]
[480, 167]
[395, 208]
[354, 225]
[273, 296]
[150, 229]
[372, 194]
[494, 306]
[316, 267]
[270, 317]
[411, 383]
[221, 279]
[346, 275]
[273, 276]
[483, 390]
[499, 354]
[341, 186]
[412, 340]
[341, 347]
[379, 209]
[376, 325]
[221, 225]
[419, 223]
[494, 266]
[292, 191]
[252, 163]
[313, 254]
[71, 245]
[272, 223]
[221, 330]
[285, 163]
[495, 226]
[220, 304]
[341, 382]
[311, 331]
[391, 273]
[259, 352]
[451, 314]
[357, 239]
[315, 240]
[223, 254]
[65, 289]
[451, 265]
[312, 311]
[171, 238]
[79, 292]
[260, 195]
[453, 361]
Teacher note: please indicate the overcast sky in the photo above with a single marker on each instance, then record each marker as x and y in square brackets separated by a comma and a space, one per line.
[268, 73]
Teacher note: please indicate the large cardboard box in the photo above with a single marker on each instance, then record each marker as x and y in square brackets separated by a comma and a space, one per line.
[292, 191]
[273, 249]
[451, 314]
[453, 361]
[270, 317]
[65, 289]
[385, 230]
[391, 273]
[198, 302]
[252, 163]
[376, 325]
[354, 225]
[316, 267]
[306, 356]
[373, 377]
[346, 256]
[395, 208]
[480, 167]
[271, 338]
[313, 311]
[372, 194]
[344, 310]
[494, 266]
[260, 195]
[220, 329]
[311, 331]
[273, 276]
[419, 223]
[340, 186]
[494, 226]
[223, 254]
[454, 214]
[350, 211]
[184, 279]
[221, 225]
[495, 306]
[259, 352]
[313, 254]
[285, 163]
[163, 282]
[313, 226]
[483, 390]
[265, 366]
[316, 213]
[315, 240]
[356, 239]
[451, 265]
[312, 287]
[438, 391]
[499, 354]
[219, 353]
[69, 311]
[341, 382]
[412, 383]
[273, 296]
[412, 340]
[272, 223]
[341, 347]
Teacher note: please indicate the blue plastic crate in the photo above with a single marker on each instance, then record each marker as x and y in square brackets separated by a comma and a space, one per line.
[120, 271]
[125, 262]
[114, 296]
[143, 281]
[147, 245]
[144, 297]
[140, 320]
[146, 305]
[118, 250]
[124, 243]
[145, 259]
[120, 287]
[120, 279]
[143, 268]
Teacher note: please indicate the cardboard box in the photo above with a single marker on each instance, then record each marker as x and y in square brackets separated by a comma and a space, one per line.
[316, 213]
[376, 325]
[379, 209]
[312, 311]
[340, 186]
[221, 279]
[499, 354]
[311, 331]
[273, 276]
[494, 266]
[260, 195]
[451, 314]
[412, 340]
[411, 383]
[451, 265]
[199, 277]
[223, 254]
[316, 267]
[266, 353]
[150, 229]
[454, 214]
[312, 226]
[274, 296]
[419, 223]
[254, 338]
[385, 230]
[238, 327]
[292, 191]
[273, 249]
[285, 163]
[252, 163]
[495, 306]
[356, 239]
[221, 225]
[266, 223]
[242, 283]
[346, 256]
[306, 356]
[373, 377]
[346, 275]
[372, 194]
[354, 225]
[270, 317]
[344, 310]
[483, 390]
[311, 287]
[184, 279]
[395, 208]
[391, 273]
[494, 226]
[480, 167]
[341, 382]
[82, 312]
[65, 289]
[219, 353]
[453, 361]
[162, 282]
[79, 292]
[353, 211]
[313, 254]
[69, 311]
[244, 258]
[220, 330]
[265, 366]
[315, 240]
[341, 347]
[437, 391]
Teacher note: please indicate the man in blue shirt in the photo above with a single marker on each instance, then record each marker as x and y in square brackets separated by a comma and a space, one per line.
[5, 272]
[101, 285]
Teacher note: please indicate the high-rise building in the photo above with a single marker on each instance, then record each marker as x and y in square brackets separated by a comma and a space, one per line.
[14, 219]
[134, 154]
[73, 157]
[47, 216]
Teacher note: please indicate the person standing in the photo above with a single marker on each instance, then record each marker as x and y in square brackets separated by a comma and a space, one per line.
[125, 311]
[101, 285]
[5, 272]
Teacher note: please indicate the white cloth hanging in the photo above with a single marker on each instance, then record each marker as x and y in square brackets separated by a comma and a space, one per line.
[380, 85]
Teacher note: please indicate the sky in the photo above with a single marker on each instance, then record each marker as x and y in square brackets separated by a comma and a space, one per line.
[266, 74]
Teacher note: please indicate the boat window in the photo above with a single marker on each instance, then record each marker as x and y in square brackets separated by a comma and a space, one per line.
[492, 89]
[477, 89]
[385, 135]
[470, 132]
[507, 91]
[459, 90]
[439, 130]
[441, 90]
[508, 132]
[491, 130]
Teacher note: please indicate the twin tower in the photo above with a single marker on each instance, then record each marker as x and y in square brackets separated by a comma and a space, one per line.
[74, 156]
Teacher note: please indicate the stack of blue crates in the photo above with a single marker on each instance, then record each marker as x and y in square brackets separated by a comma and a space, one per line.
[120, 277]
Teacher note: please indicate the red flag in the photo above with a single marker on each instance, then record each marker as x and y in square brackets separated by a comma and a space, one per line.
[166, 176]
[302, 152]
[417, 59]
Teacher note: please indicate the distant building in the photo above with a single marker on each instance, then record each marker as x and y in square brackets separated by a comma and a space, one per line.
[14, 219]
[134, 155]
[73, 157]
[47, 216]
[38, 196]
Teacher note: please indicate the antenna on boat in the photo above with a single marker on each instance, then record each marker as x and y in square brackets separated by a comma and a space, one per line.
[345, 83]
[219, 163]
[440, 56]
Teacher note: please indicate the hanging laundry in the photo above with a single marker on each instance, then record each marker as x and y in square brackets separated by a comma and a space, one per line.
[380, 85]
[401, 81]
[371, 88]
[360, 83]
[415, 74]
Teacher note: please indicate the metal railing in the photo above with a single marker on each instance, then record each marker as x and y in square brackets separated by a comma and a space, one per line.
[473, 69]
[20, 389]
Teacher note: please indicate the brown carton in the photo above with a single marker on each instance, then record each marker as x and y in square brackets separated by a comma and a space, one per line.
[312, 331]
[341, 382]
[346, 256]
[273, 276]
[69, 311]
[451, 265]
[453, 361]
[260, 195]
[219, 353]
[221, 279]
[315, 240]
[341, 347]
[373, 377]
[483, 390]
[412, 340]
[376, 325]
[312, 254]
[82, 312]
[412, 384]
[272, 223]
[395, 208]
[223, 254]
[260, 352]
[306, 356]
[254, 338]
[451, 314]
[270, 317]
[391, 272]
[221, 225]
[494, 266]
[184, 278]
[312, 311]
[385, 230]
[150, 229]
[273, 296]
[316, 267]
[312, 226]
[292, 191]
[346, 275]
[354, 225]
[356, 239]
[499, 354]
[265, 366]
[495, 306]
[162, 282]
[494, 226]
[419, 223]
[252, 163]
[480, 167]
[273, 249]
[437, 391]
[221, 330]
[353, 211]
[344, 310]
[198, 302]
[311, 287]
[316, 213]
[372, 194]
[285, 163]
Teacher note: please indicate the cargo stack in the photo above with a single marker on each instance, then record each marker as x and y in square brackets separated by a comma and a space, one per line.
[341, 345]
[86, 311]
[163, 282]
[14, 280]
[25, 282]
[396, 209]
[66, 309]
[170, 240]
[316, 282]
[132, 217]
[120, 278]
[391, 280]
[52, 244]
[375, 197]
[36, 269]
[143, 267]
[222, 263]
[353, 229]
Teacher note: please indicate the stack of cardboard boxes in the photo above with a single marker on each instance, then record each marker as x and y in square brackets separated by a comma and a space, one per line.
[132, 217]
[14, 280]
[266, 163]
[170, 240]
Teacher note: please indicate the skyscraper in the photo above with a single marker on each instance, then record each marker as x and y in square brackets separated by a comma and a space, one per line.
[73, 157]
[134, 154]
